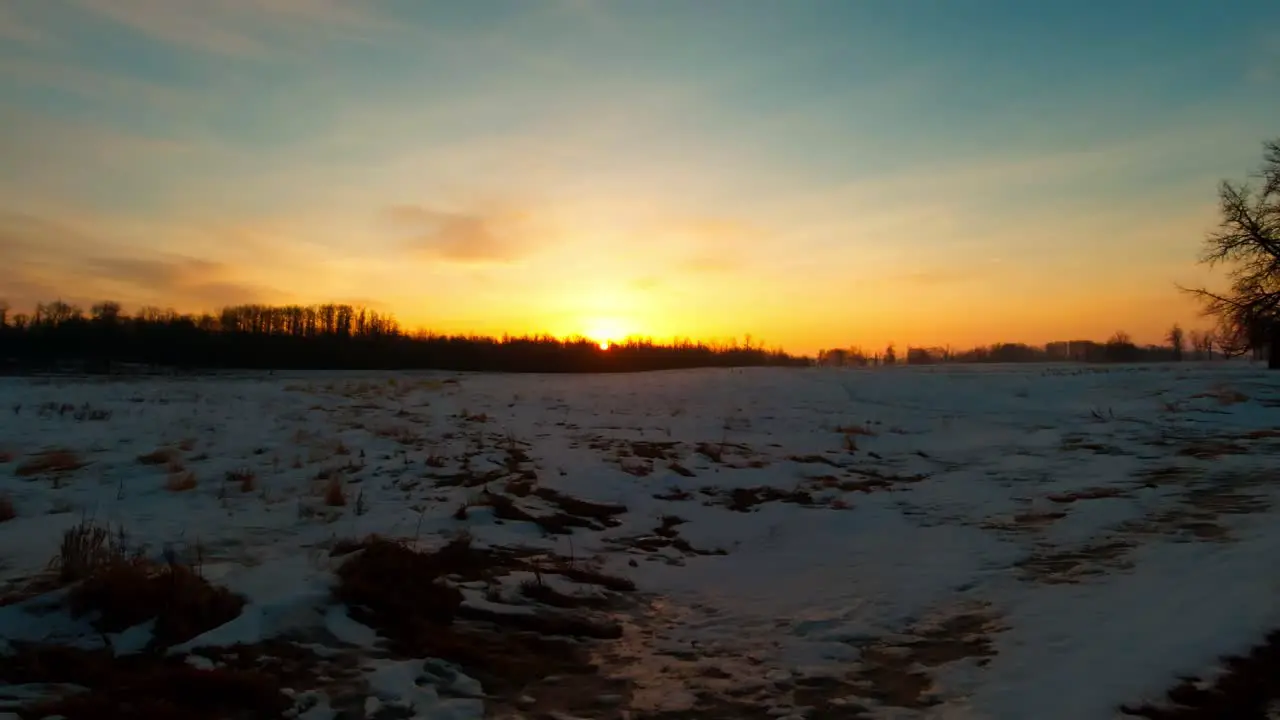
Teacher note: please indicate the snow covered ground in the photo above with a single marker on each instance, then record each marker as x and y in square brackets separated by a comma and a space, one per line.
[1001, 542]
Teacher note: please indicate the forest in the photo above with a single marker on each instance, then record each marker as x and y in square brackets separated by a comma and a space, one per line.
[57, 335]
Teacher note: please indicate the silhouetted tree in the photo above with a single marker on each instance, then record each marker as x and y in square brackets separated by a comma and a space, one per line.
[1176, 341]
[1247, 241]
[326, 337]
[890, 355]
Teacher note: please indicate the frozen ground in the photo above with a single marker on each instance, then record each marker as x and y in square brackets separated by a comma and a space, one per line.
[1007, 542]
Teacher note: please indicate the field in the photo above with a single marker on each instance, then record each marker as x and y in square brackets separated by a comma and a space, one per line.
[1005, 542]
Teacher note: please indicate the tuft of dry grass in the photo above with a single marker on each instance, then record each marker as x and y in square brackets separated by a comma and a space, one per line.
[181, 482]
[245, 477]
[5, 457]
[183, 604]
[175, 466]
[159, 456]
[855, 430]
[87, 548]
[187, 444]
[7, 510]
[334, 494]
[51, 461]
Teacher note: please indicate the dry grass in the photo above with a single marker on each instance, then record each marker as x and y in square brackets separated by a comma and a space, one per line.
[5, 457]
[182, 603]
[7, 510]
[181, 482]
[159, 456]
[334, 493]
[510, 654]
[855, 430]
[1249, 688]
[187, 444]
[51, 461]
[246, 478]
[88, 548]
[141, 687]
[1095, 493]
[1225, 396]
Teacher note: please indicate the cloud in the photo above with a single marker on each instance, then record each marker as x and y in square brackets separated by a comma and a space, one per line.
[48, 258]
[460, 238]
[239, 28]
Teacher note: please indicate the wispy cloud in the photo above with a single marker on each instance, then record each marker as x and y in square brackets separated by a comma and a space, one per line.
[48, 256]
[461, 238]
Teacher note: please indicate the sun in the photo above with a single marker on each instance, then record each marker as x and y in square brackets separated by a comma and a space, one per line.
[607, 332]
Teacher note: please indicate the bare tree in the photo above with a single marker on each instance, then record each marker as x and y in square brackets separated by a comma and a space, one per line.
[1247, 242]
[890, 355]
[4, 313]
[1176, 338]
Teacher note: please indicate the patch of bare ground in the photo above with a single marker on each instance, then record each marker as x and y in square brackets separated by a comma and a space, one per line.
[1077, 442]
[1202, 508]
[1029, 521]
[523, 659]
[665, 536]
[1248, 689]
[732, 454]
[142, 687]
[602, 512]
[894, 674]
[1051, 566]
[1167, 475]
[1093, 493]
[49, 462]
[1224, 395]
[594, 516]
[745, 499]
[888, 674]
[655, 450]
[1212, 449]
[814, 460]
[159, 456]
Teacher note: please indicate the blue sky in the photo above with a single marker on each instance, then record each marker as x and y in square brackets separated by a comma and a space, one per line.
[816, 173]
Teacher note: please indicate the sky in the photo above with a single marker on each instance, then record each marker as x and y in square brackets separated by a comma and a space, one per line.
[816, 173]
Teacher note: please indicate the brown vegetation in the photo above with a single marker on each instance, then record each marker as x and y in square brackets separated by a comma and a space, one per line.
[182, 603]
[7, 510]
[181, 482]
[1250, 688]
[50, 461]
[142, 687]
[509, 653]
[159, 456]
[334, 494]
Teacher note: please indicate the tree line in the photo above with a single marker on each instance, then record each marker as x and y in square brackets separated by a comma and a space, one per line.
[328, 336]
[1119, 348]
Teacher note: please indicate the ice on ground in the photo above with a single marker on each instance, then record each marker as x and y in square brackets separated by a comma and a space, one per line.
[799, 538]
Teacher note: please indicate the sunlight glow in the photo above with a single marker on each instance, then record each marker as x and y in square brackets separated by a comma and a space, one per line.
[607, 331]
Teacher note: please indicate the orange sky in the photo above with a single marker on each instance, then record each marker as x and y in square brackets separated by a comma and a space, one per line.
[592, 168]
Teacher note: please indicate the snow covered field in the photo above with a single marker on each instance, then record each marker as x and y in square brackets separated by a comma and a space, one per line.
[1002, 542]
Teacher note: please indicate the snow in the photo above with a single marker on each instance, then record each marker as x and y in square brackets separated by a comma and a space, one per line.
[983, 509]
